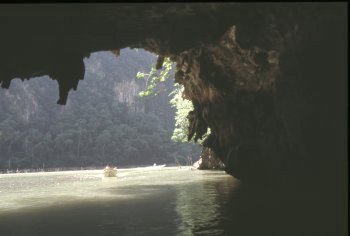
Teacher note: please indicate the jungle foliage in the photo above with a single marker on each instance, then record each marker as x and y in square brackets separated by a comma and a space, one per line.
[104, 121]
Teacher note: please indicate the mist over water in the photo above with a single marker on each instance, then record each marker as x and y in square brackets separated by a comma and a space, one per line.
[140, 201]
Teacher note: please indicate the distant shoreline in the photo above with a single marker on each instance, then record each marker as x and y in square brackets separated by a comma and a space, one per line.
[75, 169]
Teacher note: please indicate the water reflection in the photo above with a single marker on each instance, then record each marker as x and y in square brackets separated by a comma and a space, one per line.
[167, 202]
[138, 202]
[198, 206]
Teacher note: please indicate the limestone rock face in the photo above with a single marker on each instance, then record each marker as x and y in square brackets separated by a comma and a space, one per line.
[232, 91]
[269, 80]
[208, 161]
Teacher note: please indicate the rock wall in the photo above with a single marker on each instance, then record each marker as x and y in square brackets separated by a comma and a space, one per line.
[208, 161]
[232, 91]
[267, 96]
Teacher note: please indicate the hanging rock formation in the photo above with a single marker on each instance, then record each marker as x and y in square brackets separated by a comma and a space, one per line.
[268, 79]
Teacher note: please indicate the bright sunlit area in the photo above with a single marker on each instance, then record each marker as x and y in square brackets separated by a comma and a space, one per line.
[108, 121]
[118, 148]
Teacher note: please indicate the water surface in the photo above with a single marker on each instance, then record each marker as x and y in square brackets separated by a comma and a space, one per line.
[140, 201]
[170, 201]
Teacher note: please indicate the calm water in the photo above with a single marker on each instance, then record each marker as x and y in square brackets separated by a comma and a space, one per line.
[170, 201]
[140, 201]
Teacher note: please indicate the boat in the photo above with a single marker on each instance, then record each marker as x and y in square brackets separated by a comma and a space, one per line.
[110, 171]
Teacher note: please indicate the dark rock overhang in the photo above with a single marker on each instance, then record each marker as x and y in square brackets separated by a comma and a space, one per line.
[53, 39]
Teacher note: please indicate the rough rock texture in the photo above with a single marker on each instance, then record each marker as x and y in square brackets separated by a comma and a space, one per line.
[232, 92]
[208, 161]
[269, 79]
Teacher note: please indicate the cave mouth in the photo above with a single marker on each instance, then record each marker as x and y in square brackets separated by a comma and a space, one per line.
[104, 122]
[256, 73]
[268, 79]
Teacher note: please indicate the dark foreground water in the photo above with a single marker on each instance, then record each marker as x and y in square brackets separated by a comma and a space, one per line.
[146, 201]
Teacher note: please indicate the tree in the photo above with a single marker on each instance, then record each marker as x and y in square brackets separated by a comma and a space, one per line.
[183, 106]
[155, 77]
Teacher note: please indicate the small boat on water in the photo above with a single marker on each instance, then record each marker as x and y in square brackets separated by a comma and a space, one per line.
[110, 171]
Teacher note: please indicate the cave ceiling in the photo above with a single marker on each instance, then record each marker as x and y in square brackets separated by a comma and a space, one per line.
[53, 39]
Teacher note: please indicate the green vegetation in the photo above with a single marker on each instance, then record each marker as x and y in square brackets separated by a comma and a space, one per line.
[104, 121]
[155, 79]
[183, 107]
